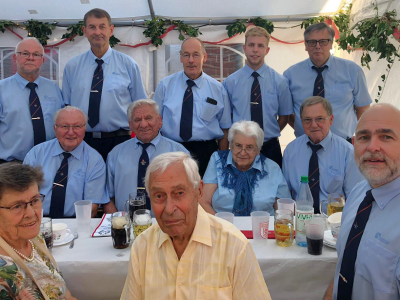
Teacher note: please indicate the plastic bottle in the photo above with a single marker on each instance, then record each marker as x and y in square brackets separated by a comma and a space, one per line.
[304, 211]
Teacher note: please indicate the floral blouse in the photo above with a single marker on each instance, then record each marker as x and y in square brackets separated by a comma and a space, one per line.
[16, 285]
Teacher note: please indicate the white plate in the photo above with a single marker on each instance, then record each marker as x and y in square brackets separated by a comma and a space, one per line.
[67, 240]
[329, 239]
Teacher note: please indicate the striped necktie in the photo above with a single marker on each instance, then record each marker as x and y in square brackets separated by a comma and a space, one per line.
[313, 175]
[319, 89]
[59, 189]
[346, 275]
[95, 95]
[256, 110]
[143, 164]
[187, 113]
[39, 131]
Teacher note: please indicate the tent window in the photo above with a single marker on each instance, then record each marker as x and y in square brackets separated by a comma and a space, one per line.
[50, 68]
[222, 61]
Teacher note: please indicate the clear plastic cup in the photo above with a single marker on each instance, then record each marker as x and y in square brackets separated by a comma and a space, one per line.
[228, 216]
[260, 224]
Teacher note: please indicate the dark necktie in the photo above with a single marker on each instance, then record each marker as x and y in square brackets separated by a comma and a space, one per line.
[346, 275]
[319, 89]
[143, 164]
[313, 175]
[256, 102]
[59, 188]
[187, 113]
[39, 132]
[95, 95]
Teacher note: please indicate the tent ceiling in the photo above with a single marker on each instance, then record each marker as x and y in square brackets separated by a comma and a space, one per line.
[72, 10]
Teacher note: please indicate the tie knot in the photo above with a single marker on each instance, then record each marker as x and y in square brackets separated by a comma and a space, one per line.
[144, 145]
[190, 83]
[314, 148]
[99, 62]
[31, 86]
[320, 70]
[369, 198]
[255, 75]
[66, 155]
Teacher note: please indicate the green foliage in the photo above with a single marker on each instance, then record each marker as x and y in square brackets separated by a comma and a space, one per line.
[39, 30]
[155, 28]
[342, 19]
[239, 26]
[114, 41]
[311, 21]
[6, 24]
[73, 30]
[267, 25]
[185, 29]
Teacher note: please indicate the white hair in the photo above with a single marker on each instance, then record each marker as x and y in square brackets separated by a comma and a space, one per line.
[142, 102]
[69, 108]
[248, 129]
[163, 161]
[29, 39]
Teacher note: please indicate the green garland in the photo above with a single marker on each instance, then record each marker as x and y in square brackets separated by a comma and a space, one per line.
[239, 26]
[6, 24]
[40, 30]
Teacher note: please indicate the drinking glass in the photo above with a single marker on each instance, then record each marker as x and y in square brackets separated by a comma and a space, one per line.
[120, 229]
[141, 221]
[335, 203]
[46, 230]
[136, 201]
[315, 234]
[283, 227]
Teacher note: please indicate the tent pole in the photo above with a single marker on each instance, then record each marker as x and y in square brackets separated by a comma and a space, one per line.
[153, 15]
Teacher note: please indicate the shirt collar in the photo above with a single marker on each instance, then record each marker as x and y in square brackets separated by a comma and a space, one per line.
[23, 82]
[201, 232]
[328, 63]
[261, 70]
[77, 152]
[325, 143]
[106, 57]
[256, 163]
[154, 141]
[198, 81]
[385, 193]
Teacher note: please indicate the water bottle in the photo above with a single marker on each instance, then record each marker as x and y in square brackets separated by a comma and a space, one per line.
[304, 211]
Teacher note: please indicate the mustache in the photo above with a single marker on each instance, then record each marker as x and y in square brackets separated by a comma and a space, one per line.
[372, 156]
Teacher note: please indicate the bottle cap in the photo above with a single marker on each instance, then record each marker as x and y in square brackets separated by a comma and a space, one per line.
[304, 179]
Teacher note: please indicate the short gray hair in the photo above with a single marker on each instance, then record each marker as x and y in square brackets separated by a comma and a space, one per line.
[163, 161]
[29, 39]
[203, 48]
[319, 27]
[248, 129]
[17, 177]
[315, 100]
[69, 108]
[142, 102]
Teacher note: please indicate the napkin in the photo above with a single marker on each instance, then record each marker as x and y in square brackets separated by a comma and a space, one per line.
[104, 228]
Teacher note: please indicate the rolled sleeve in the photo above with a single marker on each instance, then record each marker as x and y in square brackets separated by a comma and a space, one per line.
[211, 173]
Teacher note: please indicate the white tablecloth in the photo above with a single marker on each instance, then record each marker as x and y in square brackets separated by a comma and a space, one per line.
[94, 270]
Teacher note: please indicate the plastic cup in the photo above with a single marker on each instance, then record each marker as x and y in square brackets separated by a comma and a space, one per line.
[83, 212]
[228, 216]
[260, 224]
[287, 203]
[335, 222]
[315, 235]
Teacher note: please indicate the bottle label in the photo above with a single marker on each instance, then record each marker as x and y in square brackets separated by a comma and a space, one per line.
[302, 220]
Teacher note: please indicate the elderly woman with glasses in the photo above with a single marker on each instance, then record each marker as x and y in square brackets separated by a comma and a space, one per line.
[242, 180]
[27, 269]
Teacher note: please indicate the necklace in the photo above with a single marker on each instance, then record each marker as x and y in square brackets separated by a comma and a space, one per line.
[30, 258]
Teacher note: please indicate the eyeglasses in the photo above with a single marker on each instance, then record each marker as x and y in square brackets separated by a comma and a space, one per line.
[322, 43]
[186, 56]
[27, 55]
[319, 120]
[20, 207]
[73, 127]
[239, 147]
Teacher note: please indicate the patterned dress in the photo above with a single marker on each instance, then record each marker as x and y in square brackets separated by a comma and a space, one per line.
[16, 285]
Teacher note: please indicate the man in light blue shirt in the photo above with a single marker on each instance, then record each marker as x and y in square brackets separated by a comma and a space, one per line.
[121, 86]
[276, 100]
[86, 170]
[344, 82]
[123, 161]
[375, 271]
[204, 116]
[338, 172]
[16, 127]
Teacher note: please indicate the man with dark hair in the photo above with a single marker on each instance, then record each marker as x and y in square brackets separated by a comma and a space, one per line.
[27, 103]
[102, 82]
[339, 80]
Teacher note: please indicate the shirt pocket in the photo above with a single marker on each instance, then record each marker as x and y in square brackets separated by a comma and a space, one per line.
[208, 112]
[333, 181]
[342, 91]
[377, 265]
[213, 293]
[116, 83]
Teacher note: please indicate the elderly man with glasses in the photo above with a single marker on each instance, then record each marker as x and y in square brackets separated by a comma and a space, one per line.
[322, 155]
[27, 103]
[339, 80]
[72, 169]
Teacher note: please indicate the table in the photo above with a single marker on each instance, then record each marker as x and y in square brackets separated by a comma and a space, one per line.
[93, 269]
